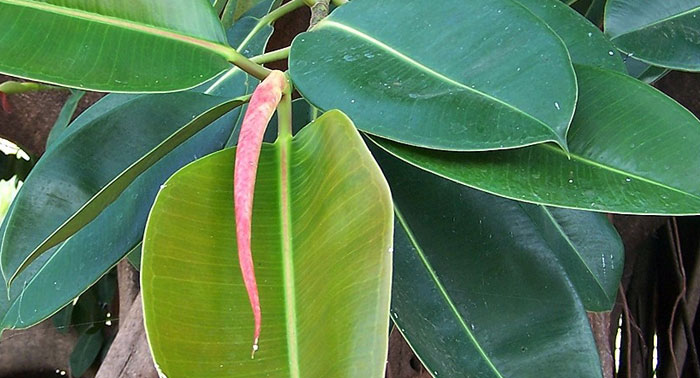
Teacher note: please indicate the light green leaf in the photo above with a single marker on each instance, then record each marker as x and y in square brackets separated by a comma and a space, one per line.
[633, 150]
[477, 290]
[113, 45]
[323, 263]
[585, 42]
[662, 33]
[460, 76]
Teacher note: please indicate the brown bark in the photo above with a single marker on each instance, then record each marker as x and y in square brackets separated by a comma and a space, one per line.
[129, 356]
[35, 352]
[128, 279]
[402, 362]
[600, 325]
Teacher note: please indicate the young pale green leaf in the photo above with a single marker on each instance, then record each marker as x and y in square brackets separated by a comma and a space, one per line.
[633, 150]
[465, 75]
[55, 278]
[113, 45]
[585, 42]
[98, 190]
[478, 290]
[323, 263]
[662, 33]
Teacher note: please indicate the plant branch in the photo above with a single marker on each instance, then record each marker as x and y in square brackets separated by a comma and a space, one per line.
[240, 61]
[319, 11]
[272, 17]
[338, 3]
[271, 56]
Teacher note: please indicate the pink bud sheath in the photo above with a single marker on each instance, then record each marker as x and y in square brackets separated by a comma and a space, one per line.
[5, 103]
[260, 109]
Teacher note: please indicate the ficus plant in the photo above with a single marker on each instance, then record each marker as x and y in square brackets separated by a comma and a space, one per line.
[445, 164]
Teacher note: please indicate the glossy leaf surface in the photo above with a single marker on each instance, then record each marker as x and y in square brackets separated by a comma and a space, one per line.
[461, 76]
[477, 290]
[588, 248]
[585, 42]
[643, 71]
[112, 45]
[633, 150]
[322, 264]
[85, 351]
[663, 33]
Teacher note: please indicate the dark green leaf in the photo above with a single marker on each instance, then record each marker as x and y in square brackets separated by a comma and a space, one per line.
[96, 190]
[60, 278]
[86, 351]
[643, 71]
[477, 290]
[633, 150]
[588, 248]
[134, 256]
[661, 33]
[461, 76]
[62, 319]
[585, 42]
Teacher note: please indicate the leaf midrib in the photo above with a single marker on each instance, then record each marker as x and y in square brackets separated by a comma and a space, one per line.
[574, 156]
[283, 146]
[217, 48]
[657, 22]
[430, 71]
[443, 291]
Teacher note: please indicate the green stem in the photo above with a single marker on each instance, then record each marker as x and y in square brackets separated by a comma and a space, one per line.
[271, 56]
[284, 114]
[338, 3]
[240, 61]
[14, 87]
[272, 17]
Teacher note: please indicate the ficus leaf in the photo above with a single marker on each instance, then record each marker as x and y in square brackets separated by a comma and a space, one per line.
[637, 156]
[478, 288]
[661, 33]
[461, 76]
[143, 45]
[322, 236]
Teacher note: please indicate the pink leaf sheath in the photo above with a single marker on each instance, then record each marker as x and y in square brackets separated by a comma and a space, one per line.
[5, 103]
[262, 106]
